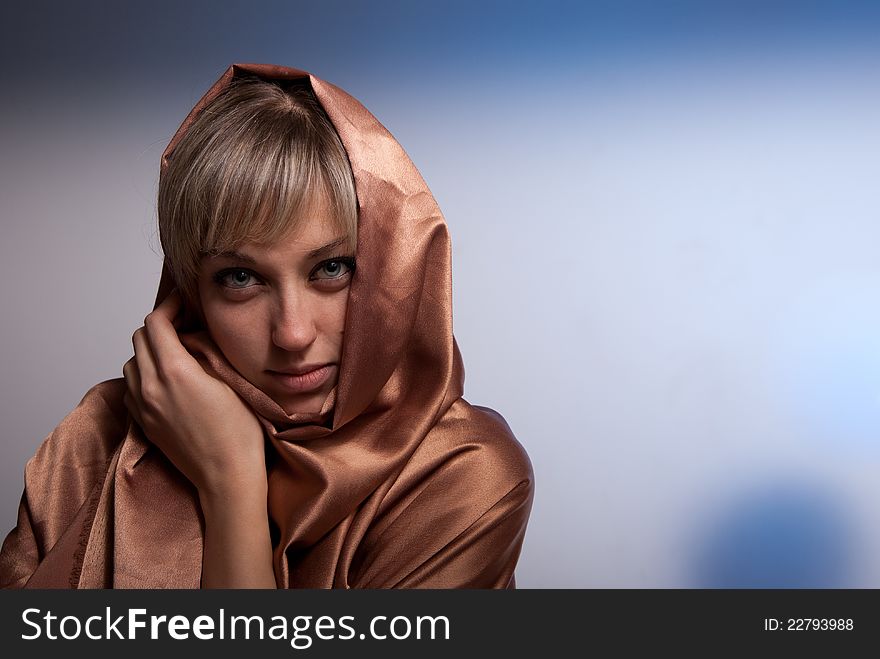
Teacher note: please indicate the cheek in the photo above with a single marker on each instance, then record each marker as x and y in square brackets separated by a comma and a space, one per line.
[333, 316]
[239, 331]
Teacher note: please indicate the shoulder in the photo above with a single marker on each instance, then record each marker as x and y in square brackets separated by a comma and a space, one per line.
[457, 512]
[469, 457]
[91, 430]
[483, 442]
[98, 420]
[103, 403]
[73, 460]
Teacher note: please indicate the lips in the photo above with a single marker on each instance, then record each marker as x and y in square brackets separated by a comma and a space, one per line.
[299, 370]
[305, 378]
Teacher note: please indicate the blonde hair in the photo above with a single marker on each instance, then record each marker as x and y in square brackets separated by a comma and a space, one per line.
[246, 170]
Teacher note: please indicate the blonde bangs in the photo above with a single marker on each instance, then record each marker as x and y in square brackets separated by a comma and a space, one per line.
[248, 170]
[268, 186]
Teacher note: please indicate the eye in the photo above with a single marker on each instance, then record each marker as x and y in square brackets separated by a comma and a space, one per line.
[236, 278]
[335, 268]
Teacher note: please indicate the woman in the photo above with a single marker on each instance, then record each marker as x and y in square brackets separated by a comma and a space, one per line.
[293, 414]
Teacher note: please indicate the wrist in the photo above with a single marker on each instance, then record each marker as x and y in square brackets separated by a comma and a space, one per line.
[233, 477]
[234, 494]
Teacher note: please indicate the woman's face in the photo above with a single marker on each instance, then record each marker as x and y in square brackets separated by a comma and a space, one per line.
[278, 311]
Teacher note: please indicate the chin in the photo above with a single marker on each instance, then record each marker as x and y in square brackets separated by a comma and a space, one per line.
[303, 404]
[295, 408]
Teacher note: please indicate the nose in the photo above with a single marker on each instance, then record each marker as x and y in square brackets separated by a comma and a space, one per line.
[293, 326]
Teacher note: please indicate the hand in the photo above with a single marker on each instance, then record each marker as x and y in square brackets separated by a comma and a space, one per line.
[196, 420]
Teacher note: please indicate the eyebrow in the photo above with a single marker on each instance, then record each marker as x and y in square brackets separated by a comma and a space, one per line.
[238, 256]
[326, 249]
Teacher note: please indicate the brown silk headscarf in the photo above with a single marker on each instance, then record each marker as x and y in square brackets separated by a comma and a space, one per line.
[397, 482]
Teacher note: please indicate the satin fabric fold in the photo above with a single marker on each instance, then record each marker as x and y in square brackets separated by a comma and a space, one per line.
[397, 482]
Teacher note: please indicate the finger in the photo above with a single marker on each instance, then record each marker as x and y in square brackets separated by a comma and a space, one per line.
[161, 334]
[170, 307]
[145, 359]
[132, 397]
[132, 376]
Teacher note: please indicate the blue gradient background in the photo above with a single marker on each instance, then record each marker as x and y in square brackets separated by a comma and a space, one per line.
[665, 231]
